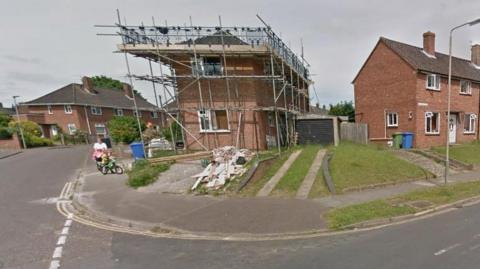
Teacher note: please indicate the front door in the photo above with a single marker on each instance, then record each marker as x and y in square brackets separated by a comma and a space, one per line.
[452, 129]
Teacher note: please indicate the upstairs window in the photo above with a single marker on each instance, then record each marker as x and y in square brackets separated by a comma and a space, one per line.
[433, 82]
[213, 120]
[119, 112]
[392, 119]
[96, 110]
[67, 109]
[49, 108]
[207, 66]
[465, 87]
[432, 123]
[154, 114]
[469, 123]
[139, 113]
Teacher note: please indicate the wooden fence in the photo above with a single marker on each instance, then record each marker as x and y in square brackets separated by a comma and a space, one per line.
[355, 132]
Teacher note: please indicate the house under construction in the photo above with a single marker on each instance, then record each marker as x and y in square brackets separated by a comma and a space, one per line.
[238, 86]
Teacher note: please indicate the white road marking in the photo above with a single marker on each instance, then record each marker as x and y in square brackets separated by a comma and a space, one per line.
[55, 264]
[442, 251]
[57, 253]
[65, 231]
[61, 240]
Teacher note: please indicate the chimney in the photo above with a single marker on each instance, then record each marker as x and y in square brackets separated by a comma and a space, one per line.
[127, 89]
[87, 84]
[429, 43]
[476, 54]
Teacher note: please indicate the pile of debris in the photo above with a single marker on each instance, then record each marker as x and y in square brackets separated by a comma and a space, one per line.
[227, 161]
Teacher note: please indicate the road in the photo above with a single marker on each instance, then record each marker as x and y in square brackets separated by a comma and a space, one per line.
[30, 228]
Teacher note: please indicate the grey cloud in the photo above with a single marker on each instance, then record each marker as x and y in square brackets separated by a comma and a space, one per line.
[22, 60]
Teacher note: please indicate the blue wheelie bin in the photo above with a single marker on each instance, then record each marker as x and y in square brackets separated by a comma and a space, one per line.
[407, 141]
[137, 150]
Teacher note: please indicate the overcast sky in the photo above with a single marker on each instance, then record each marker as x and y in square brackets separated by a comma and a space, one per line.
[50, 43]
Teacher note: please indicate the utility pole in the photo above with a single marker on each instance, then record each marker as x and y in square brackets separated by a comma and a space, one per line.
[18, 120]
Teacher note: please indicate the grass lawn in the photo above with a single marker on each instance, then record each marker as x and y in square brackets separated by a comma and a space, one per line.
[467, 153]
[319, 187]
[400, 205]
[293, 178]
[253, 187]
[143, 173]
[354, 165]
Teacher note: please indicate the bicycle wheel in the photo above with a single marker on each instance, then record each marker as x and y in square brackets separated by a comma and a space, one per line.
[118, 170]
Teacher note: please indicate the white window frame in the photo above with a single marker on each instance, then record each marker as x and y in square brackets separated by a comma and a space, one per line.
[100, 125]
[49, 108]
[436, 82]
[135, 113]
[469, 87]
[208, 115]
[96, 110]
[67, 109]
[472, 123]
[392, 119]
[71, 128]
[154, 114]
[429, 114]
[117, 110]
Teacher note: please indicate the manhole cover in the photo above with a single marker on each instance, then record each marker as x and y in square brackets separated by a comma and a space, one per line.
[420, 204]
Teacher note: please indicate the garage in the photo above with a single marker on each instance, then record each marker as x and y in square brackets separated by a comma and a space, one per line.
[313, 129]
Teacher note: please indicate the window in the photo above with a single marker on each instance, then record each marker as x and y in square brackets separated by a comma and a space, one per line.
[392, 119]
[465, 87]
[71, 128]
[271, 119]
[208, 66]
[432, 123]
[469, 123]
[154, 114]
[119, 112]
[213, 120]
[100, 129]
[49, 108]
[96, 110]
[433, 82]
[67, 109]
[139, 113]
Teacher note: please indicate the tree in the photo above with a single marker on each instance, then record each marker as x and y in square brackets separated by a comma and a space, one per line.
[110, 83]
[4, 119]
[176, 130]
[343, 108]
[124, 129]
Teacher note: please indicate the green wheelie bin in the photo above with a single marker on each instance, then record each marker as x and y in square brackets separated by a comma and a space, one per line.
[397, 140]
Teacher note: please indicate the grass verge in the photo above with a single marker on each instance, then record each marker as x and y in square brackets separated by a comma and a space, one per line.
[401, 205]
[293, 178]
[143, 173]
[253, 187]
[467, 153]
[354, 165]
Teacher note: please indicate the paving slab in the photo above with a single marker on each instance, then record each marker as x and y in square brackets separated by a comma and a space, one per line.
[422, 161]
[270, 185]
[309, 179]
[5, 153]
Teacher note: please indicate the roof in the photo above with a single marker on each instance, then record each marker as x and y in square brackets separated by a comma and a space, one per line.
[420, 61]
[216, 39]
[104, 97]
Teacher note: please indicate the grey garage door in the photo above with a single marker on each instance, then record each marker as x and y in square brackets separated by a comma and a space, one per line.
[315, 131]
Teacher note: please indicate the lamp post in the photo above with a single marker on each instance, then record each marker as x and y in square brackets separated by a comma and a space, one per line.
[447, 148]
[18, 120]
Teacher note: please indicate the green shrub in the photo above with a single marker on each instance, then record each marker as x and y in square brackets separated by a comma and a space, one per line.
[5, 133]
[4, 119]
[177, 132]
[28, 127]
[143, 173]
[36, 141]
[124, 129]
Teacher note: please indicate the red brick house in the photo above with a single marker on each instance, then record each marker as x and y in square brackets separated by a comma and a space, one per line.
[401, 88]
[86, 108]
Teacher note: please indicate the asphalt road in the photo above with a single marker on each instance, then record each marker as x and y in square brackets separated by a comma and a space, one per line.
[30, 227]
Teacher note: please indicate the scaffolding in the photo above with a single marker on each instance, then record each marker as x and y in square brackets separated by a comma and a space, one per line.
[167, 45]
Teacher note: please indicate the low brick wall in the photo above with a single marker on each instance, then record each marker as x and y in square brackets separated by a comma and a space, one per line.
[13, 143]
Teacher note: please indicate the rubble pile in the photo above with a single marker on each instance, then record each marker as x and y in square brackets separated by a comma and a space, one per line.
[227, 161]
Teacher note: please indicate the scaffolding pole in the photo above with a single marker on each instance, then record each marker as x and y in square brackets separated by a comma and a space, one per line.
[285, 105]
[275, 104]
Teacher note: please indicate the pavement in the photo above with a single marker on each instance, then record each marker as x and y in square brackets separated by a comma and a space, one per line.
[5, 153]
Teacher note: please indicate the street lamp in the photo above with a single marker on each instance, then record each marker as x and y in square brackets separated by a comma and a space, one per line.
[447, 150]
[18, 120]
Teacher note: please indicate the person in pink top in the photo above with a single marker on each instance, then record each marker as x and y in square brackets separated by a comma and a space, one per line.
[98, 149]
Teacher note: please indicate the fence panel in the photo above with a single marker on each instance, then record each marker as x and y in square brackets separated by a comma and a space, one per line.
[355, 132]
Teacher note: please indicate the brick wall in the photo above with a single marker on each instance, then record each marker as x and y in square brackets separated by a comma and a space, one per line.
[385, 84]
[13, 143]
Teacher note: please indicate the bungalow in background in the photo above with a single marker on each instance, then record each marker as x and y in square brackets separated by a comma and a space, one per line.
[403, 88]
